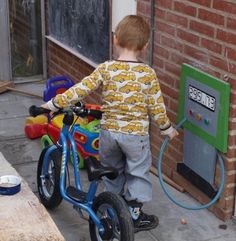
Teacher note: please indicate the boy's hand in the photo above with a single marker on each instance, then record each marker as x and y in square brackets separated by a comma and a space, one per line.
[45, 106]
[173, 134]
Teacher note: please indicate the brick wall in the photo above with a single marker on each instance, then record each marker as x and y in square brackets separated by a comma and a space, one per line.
[198, 32]
[62, 62]
[201, 33]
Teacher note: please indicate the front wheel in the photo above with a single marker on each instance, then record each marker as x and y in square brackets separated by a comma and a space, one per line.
[115, 217]
[48, 181]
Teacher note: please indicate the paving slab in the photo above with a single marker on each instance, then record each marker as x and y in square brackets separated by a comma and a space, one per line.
[23, 154]
[20, 150]
[22, 216]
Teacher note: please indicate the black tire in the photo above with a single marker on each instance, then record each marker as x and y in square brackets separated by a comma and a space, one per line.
[121, 223]
[49, 189]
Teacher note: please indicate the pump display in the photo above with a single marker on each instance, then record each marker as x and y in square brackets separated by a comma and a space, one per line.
[204, 102]
[203, 114]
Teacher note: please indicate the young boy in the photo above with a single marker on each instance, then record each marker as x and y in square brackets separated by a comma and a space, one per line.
[131, 94]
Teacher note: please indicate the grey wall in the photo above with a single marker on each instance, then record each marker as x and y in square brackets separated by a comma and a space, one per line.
[5, 53]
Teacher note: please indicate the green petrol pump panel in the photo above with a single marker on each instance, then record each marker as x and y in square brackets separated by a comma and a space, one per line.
[204, 101]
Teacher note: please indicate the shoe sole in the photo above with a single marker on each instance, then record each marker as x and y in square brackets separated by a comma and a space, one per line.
[136, 230]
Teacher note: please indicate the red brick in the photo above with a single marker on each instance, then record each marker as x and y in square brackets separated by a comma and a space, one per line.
[169, 91]
[225, 6]
[222, 213]
[230, 165]
[164, 4]
[141, 7]
[231, 23]
[157, 37]
[158, 62]
[231, 153]
[206, 3]
[172, 43]
[219, 63]
[226, 36]
[177, 142]
[176, 156]
[232, 68]
[148, 10]
[232, 83]
[202, 28]
[233, 97]
[187, 36]
[229, 191]
[232, 126]
[232, 112]
[164, 27]
[160, 13]
[198, 54]
[185, 8]
[173, 105]
[166, 169]
[165, 78]
[172, 68]
[212, 17]
[230, 179]
[159, 50]
[232, 140]
[177, 19]
[211, 45]
[179, 58]
[229, 204]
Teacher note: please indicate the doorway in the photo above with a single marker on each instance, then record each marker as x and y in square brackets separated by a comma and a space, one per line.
[25, 39]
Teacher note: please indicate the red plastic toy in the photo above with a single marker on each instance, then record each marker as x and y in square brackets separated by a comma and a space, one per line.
[87, 130]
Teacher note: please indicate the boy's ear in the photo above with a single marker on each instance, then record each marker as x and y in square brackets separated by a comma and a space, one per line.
[115, 40]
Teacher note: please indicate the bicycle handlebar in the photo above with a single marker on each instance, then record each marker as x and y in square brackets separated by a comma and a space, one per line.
[35, 111]
[78, 109]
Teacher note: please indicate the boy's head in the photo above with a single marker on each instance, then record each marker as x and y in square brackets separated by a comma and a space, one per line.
[132, 33]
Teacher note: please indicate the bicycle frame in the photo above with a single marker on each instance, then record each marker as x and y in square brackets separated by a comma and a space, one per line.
[67, 143]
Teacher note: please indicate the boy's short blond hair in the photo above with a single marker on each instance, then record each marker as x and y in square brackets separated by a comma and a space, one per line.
[132, 33]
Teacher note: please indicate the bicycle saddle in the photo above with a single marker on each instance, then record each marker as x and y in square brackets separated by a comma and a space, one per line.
[96, 170]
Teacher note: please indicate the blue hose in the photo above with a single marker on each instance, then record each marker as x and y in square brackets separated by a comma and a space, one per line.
[167, 192]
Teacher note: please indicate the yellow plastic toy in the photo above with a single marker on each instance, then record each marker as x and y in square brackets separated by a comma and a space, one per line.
[40, 119]
[57, 120]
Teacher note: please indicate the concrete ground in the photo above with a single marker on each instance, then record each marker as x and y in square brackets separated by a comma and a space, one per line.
[23, 154]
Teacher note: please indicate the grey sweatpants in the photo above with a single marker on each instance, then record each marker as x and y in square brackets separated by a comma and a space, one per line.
[131, 155]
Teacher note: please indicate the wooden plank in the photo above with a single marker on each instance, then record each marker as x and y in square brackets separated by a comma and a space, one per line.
[9, 86]
[22, 216]
[24, 92]
[168, 180]
[4, 85]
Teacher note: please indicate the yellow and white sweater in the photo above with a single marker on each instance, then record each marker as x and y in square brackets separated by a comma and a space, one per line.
[130, 93]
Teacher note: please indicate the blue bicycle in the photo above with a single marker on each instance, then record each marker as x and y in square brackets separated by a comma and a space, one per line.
[109, 217]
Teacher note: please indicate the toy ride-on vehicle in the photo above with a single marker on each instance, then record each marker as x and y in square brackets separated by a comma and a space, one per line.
[86, 133]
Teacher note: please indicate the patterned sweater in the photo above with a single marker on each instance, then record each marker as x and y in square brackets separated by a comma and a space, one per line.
[130, 93]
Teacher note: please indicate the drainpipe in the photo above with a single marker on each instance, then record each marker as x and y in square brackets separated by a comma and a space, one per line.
[234, 216]
[152, 28]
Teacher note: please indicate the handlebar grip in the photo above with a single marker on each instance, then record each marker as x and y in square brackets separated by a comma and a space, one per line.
[95, 113]
[35, 111]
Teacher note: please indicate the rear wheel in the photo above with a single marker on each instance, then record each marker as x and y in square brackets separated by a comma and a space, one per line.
[115, 217]
[48, 182]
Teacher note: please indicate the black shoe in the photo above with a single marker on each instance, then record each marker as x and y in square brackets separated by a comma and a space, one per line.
[145, 222]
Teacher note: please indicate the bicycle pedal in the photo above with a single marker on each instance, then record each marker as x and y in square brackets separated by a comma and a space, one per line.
[76, 195]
